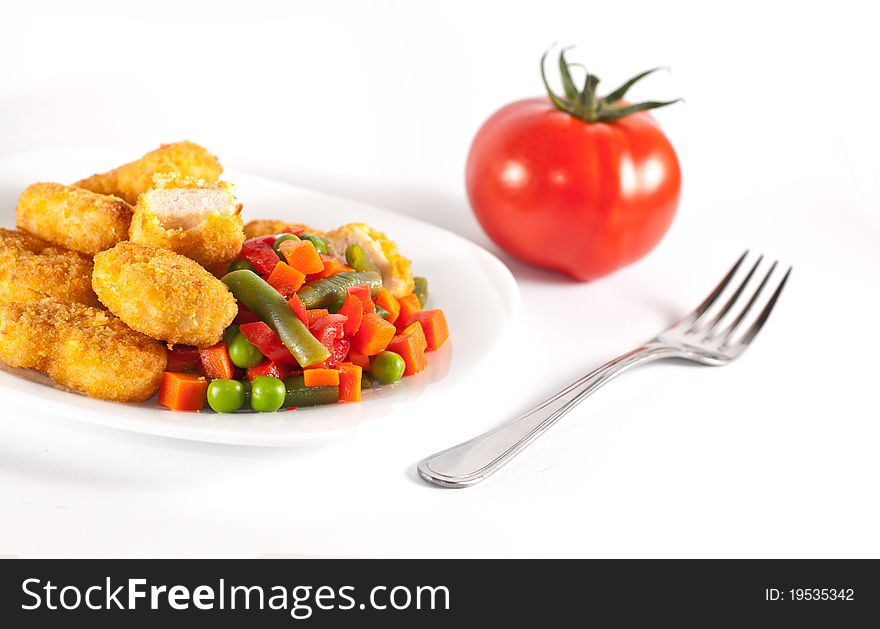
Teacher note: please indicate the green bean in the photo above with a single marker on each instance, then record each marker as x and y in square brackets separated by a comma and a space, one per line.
[421, 290]
[270, 307]
[298, 394]
[382, 312]
[328, 291]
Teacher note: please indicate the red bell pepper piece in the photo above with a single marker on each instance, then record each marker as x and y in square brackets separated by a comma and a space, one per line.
[267, 341]
[299, 309]
[354, 310]
[330, 331]
[245, 315]
[270, 368]
[269, 239]
[260, 254]
[362, 292]
[182, 358]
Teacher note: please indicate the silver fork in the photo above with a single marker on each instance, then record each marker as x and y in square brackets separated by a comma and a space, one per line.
[701, 336]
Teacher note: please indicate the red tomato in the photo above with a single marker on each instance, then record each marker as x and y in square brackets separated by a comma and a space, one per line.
[583, 198]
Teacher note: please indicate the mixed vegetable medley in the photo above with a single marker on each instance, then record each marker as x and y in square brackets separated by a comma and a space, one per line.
[312, 328]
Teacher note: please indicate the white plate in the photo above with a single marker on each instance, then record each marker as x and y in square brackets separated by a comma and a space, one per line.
[474, 289]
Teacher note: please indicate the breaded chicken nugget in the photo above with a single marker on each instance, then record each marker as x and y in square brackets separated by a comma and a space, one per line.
[268, 226]
[83, 348]
[32, 269]
[72, 217]
[163, 294]
[130, 180]
[197, 219]
[381, 251]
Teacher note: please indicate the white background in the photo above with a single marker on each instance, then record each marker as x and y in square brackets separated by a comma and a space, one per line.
[378, 101]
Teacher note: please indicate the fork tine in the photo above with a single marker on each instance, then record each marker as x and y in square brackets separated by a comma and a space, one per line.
[703, 307]
[742, 315]
[765, 313]
[730, 302]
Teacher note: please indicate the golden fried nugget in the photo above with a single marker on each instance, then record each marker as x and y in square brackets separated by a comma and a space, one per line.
[82, 348]
[268, 226]
[197, 219]
[32, 269]
[163, 294]
[380, 250]
[72, 217]
[134, 178]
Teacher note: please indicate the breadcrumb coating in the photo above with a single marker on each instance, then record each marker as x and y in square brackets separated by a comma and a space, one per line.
[75, 218]
[83, 348]
[32, 269]
[163, 294]
[268, 226]
[132, 179]
[195, 218]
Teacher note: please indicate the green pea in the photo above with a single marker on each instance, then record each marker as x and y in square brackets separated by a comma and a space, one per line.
[320, 243]
[242, 264]
[242, 352]
[225, 396]
[267, 394]
[229, 334]
[354, 256]
[277, 244]
[357, 258]
[387, 367]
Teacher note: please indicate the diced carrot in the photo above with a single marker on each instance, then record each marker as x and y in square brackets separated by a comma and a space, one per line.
[321, 378]
[362, 292]
[286, 279]
[434, 324]
[349, 382]
[415, 329]
[361, 360]
[296, 303]
[182, 391]
[314, 315]
[182, 358]
[215, 362]
[387, 301]
[331, 266]
[270, 368]
[373, 336]
[302, 255]
[411, 347]
[354, 310]
[346, 268]
[409, 305]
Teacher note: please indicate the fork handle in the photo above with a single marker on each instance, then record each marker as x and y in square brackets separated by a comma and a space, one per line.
[472, 461]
